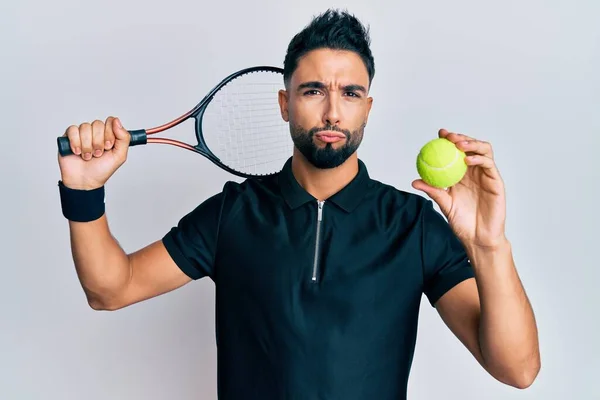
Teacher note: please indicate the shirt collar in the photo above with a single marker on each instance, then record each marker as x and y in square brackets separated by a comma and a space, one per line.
[347, 198]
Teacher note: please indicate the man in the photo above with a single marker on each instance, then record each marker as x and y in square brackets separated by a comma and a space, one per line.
[320, 270]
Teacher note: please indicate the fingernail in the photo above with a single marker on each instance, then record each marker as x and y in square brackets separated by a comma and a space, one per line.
[107, 144]
[77, 150]
[87, 156]
[119, 123]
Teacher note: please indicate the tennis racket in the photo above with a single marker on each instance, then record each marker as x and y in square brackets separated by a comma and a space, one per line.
[238, 125]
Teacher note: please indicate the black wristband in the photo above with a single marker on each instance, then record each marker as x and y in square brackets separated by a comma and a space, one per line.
[81, 205]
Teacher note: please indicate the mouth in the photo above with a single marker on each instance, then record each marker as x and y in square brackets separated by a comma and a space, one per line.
[330, 136]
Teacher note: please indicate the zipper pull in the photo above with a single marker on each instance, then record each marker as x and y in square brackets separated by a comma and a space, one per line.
[320, 211]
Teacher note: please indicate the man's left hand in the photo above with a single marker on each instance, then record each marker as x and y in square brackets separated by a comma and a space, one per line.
[476, 206]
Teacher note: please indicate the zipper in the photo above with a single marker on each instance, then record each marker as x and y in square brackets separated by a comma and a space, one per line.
[320, 205]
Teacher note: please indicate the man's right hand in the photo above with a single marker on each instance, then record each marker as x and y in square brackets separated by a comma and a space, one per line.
[99, 149]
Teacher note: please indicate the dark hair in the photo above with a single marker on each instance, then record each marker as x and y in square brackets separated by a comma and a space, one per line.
[333, 29]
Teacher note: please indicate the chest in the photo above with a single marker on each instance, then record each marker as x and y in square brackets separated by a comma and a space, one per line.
[319, 254]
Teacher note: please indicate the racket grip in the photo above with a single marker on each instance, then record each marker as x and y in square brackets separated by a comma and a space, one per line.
[137, 137]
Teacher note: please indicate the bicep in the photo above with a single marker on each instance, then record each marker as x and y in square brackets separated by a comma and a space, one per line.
[460, 309]
[153, 273]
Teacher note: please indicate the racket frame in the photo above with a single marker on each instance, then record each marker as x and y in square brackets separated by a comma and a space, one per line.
[144, 136]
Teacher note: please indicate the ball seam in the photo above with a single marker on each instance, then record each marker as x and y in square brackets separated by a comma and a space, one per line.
[456, 158]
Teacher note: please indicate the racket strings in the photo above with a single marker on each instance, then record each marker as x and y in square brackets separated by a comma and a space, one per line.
[243, 126]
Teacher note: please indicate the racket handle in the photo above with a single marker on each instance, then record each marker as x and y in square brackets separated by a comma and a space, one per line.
[137, 137]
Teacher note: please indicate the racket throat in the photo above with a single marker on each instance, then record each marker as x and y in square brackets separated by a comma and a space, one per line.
[315, 269]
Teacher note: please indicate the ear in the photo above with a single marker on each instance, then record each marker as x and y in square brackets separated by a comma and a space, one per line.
[369, 105]
[283, 104]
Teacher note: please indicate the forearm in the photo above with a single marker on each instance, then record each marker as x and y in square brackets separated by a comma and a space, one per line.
[508, 335]
[102, 266]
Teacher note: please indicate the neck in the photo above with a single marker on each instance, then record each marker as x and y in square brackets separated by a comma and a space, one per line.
[323, 183]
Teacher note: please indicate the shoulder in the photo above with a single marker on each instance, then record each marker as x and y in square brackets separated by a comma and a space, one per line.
[387, 196]
[252, 192]
[401, 212]
[234, 197]
[251, 188]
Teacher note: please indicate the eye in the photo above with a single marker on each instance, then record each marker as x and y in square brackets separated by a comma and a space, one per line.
[353, 94]
[311, 92]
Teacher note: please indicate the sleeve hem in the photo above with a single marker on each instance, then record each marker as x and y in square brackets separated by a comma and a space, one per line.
[448, 282]
[179, 259]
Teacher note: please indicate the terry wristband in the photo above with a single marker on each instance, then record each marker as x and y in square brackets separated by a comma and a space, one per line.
[81, 205]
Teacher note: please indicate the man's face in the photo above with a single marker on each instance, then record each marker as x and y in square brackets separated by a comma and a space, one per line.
[327, 106]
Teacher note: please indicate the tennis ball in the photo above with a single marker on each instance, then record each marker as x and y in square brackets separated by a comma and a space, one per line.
[441, 164]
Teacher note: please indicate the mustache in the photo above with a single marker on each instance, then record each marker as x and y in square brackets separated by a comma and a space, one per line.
[333, 128]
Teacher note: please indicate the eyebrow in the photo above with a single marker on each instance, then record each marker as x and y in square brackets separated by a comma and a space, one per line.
[321, 85]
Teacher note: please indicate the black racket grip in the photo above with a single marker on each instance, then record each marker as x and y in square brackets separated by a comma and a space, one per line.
[137, 137]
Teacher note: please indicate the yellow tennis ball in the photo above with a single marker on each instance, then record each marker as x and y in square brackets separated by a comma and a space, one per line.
[441, 164]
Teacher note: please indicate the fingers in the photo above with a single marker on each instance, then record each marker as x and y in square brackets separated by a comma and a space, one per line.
[481, 161]
[72, 133]
[468, 144]
[479, 153]
[452, 136]
[473, 147]
[122, 137]
[487, 164]
[86, 136]
[90, 140]
[120, 132]
[109, 135]
[98, 138]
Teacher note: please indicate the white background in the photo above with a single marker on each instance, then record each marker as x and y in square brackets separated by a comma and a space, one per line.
[520, 74]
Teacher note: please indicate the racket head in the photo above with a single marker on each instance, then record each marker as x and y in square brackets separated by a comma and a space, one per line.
[239, 125]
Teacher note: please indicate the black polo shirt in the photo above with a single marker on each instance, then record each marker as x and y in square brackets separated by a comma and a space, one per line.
[317, 300]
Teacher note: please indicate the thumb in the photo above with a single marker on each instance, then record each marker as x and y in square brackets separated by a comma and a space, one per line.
[122, 137]
[439, 195]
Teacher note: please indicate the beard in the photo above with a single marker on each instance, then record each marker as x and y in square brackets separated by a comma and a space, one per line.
[326, 157]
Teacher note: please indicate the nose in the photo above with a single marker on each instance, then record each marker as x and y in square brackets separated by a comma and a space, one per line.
[332, 114]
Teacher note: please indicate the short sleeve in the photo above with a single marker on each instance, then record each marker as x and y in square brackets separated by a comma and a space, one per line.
[445, 261]
[192, 243]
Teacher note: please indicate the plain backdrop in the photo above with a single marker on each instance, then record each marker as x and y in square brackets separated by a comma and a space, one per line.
[523, 75]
